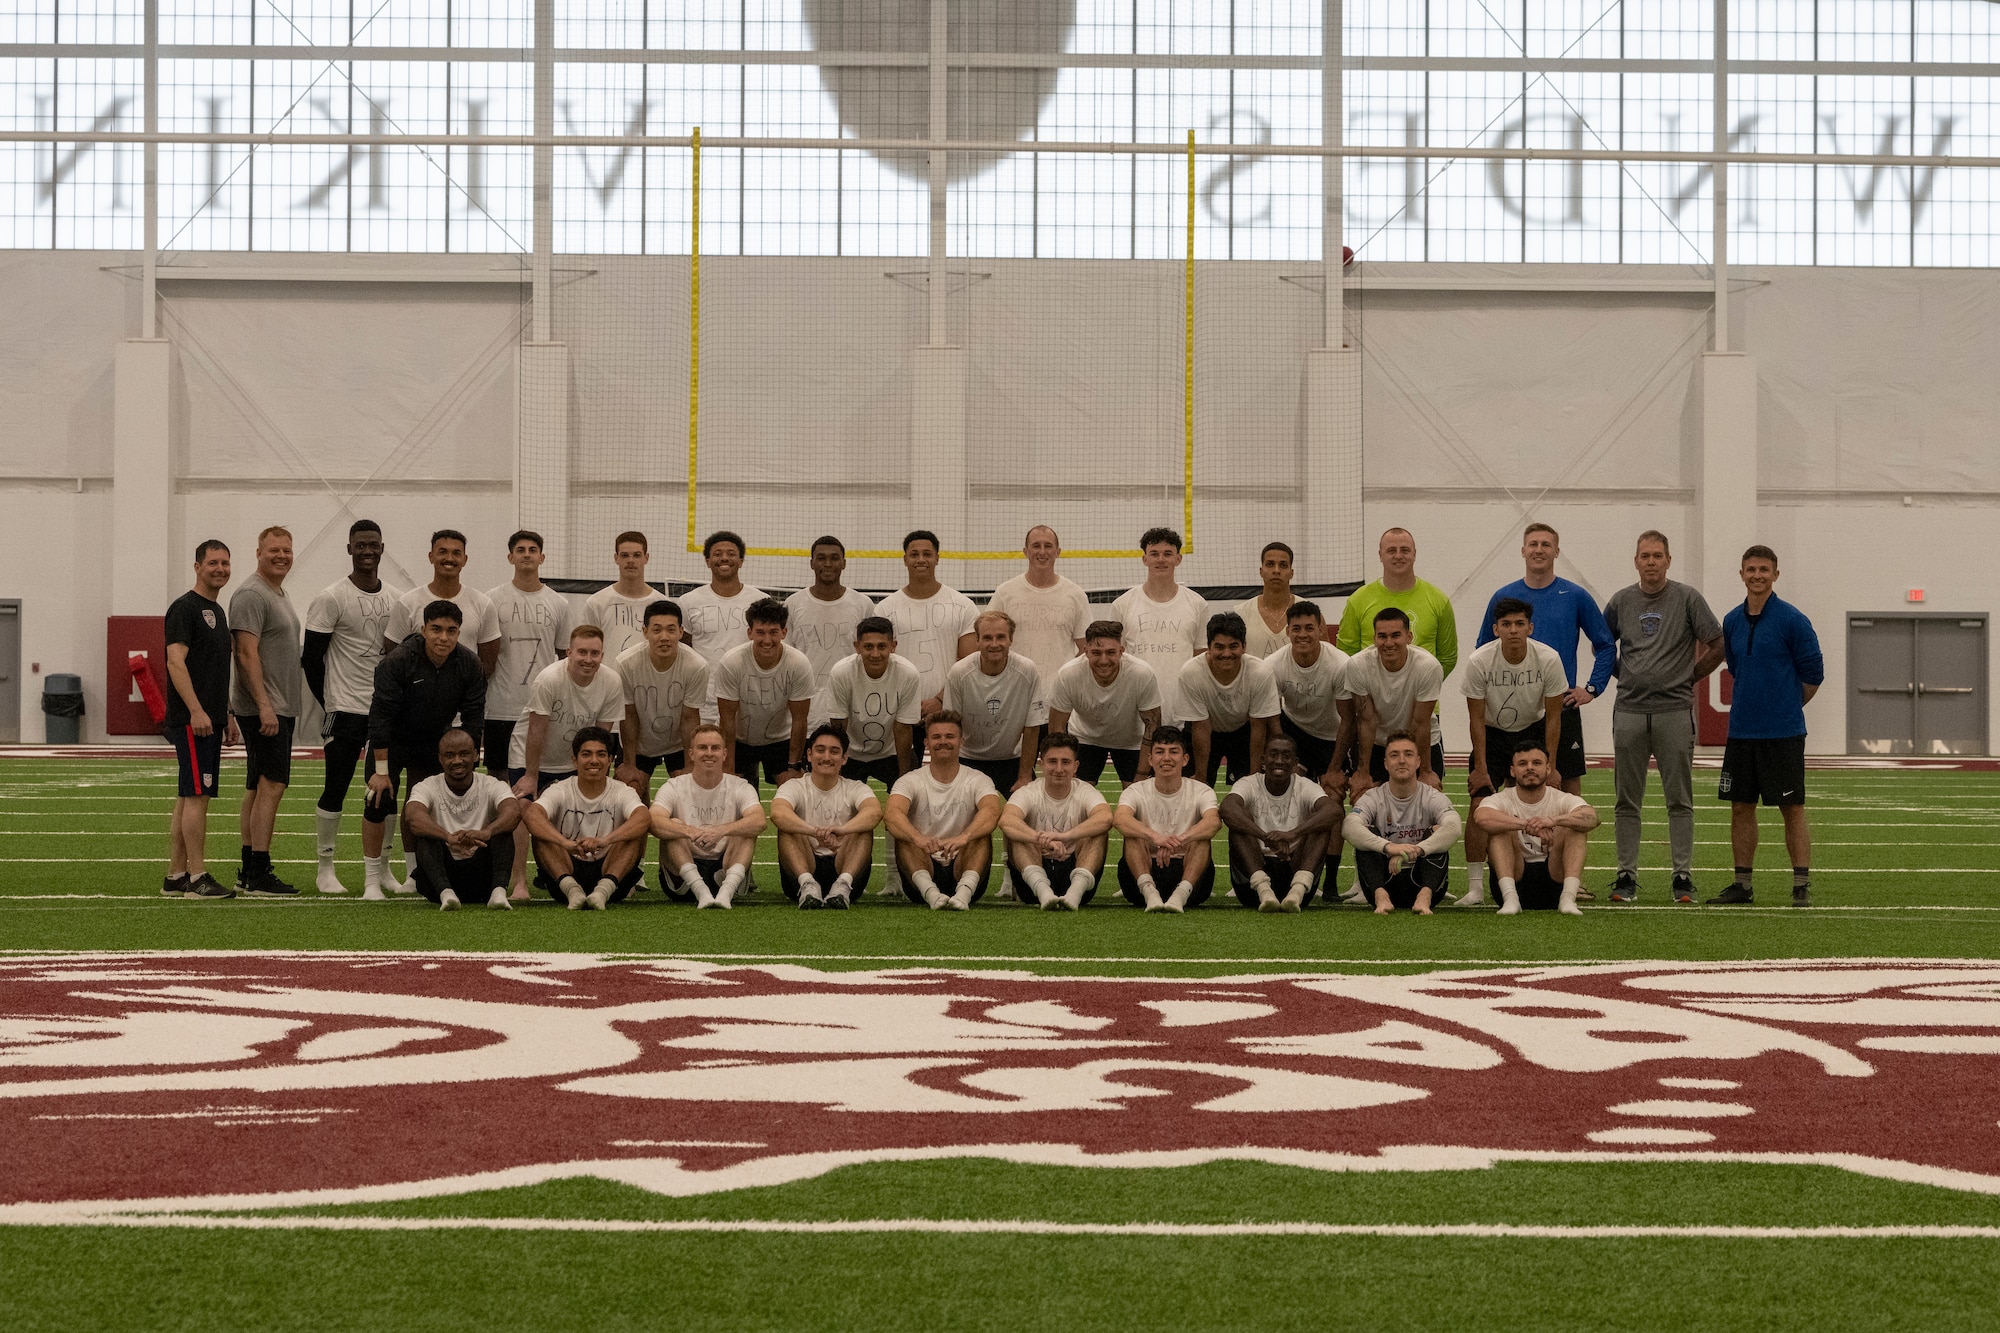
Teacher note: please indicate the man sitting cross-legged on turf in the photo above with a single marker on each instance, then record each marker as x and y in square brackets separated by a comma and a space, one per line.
[826, 827]
[1056, 826]
[461, 822]
[1514, 690]
[1167, 821]
[588, 829]
[1537, 835]
[665, 682]
[1109, 702]
[707, 821]
[1280, 824]
[941, 821]
[1231, 702]
[1402, 833]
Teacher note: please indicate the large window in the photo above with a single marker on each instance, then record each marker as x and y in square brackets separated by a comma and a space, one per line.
[1867, 77]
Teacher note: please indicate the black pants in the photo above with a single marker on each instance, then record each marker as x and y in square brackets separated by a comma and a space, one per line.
[346, 747]
[1281, 873]
[1166, 879]
[1427, 872]
[1090, 764]
[472, 879]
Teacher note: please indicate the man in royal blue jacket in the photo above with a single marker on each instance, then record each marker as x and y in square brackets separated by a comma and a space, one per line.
[1774, 656]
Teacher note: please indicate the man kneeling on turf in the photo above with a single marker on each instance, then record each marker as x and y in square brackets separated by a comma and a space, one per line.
[1280, 825]
[1402, 833]
[1056, 827]
[707, 820]
[587, 829]
[1539, 833]
[941, 818]
[1167, 821]
[461, 823]
[826, 826]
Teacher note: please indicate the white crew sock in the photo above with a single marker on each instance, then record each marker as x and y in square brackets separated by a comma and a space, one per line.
[1037, 879]
[1567, 904]
[572, 892]
[1510, 897]
[326, 834]
[1151, 894]
[926, 886]
[732, 880]
[962, 899]
[1177, 901]
[447, 901]
[1267, 900]
[1302, 883]
[600, 897]
[1475, 884]
[1081, 881]
[388, 856]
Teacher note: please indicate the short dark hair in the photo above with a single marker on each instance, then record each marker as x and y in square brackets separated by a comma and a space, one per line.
[443, 610]
[828, 541]
[1395, 736]
[449, 535]
[723, 535]
[1104, 629]
[1526, 746]
[361, 525]
[1227, 625]
[1168, 734]
[1058, 740]
[944, 716]
[1391, 613]
[1269, 547]
[632, 536]
[1154, 536]
[875, 625]
[1759, 552]
[1304, 608]
[527, 535]
[212, 544]
[584, 736]
[767, 611]
[921, 535]
[1512, 606]
[663, 606]
[827, 729]
[458, 731]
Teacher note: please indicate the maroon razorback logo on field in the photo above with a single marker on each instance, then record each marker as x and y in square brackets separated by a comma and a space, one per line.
[185, 1078]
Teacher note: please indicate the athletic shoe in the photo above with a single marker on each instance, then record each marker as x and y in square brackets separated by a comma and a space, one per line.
[1802, 895]
[1683, 889]
[447, 901]
[1625, 890]
[1354, 897]
[497, 900]
[809, 902]
[1734, 894]
[328, 881]
[835, 902]
[268, 885]
[1585, 896]
[174, 886]
[204, 888]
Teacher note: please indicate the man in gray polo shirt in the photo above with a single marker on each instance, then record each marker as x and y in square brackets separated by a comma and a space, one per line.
[1668, 639]
[265, 698]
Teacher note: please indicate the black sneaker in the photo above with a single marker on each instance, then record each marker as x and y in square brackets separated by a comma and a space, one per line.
[174, 886]
[1802, 895]
[1683, 889]
[1735, 894]
[835, 902]
[204, 887]
[268, 885]
[1626, 889]
[810, 903]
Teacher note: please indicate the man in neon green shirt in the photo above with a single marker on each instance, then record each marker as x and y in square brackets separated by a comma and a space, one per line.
[1433, 626]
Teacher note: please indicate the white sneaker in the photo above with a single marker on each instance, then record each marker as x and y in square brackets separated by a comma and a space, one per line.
[574, 896]
[447, 901]
[497, 900]
[373, 894]
[328, 881]
[597, 899]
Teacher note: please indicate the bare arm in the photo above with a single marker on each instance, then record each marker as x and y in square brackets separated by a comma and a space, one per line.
[1031, 740]
[629, 771]
[250, 663]
[417, 822]
[786, 820]
[1235, 812]
[489, 657]
[531, 754]
[968, 644]
[796, 748]
[638, 825]
[1260, 734]
[726, 711]
[1477, 782]
[900, 827]
[906, 748]
[541, 828]
[1552, 725]
[1420, 731]
[1149, 722]
[1709, 658]
[1203, 735]
[1058, 720]
[1335, 780]
[1014, 825]
[183, 683]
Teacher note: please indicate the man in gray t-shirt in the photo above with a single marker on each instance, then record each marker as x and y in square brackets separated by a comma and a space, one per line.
[265, 697]
[1668, 639]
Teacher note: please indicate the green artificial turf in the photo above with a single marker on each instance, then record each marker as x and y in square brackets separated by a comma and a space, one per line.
[1905, 865]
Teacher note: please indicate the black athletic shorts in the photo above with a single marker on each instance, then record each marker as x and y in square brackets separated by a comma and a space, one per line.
[1379, 770]
[1315, 752]
[1233, 746]
[650, 763]
[1002, 772]
[825, 871]
[1539, 891]
[498, 740]
[1166, 879]
[1090, 761]
[417, 765]
[775, 756]
[884, 770]
[1281, 873]
[200, 758]
[1427, 872]
[1571, 761]
[266, 756]
[1500, 747]
[1770, 771]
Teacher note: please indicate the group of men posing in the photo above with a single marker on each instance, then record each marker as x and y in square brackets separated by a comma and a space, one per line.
[972, 720]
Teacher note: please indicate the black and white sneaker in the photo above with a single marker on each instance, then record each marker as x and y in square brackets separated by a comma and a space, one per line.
[1735, 895]
[1802, 895]
[267, 885]
[174, 886]
[1626, 890]
[1683, 889]
[203, 887]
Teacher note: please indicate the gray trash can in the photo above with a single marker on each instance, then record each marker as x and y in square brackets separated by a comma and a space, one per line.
[62, 704]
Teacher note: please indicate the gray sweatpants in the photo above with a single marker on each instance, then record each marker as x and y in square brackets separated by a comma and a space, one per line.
[1668, 738]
